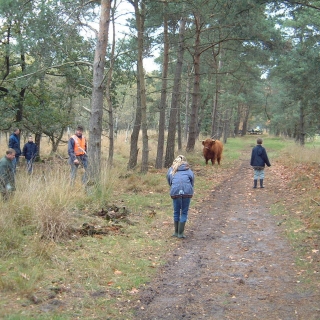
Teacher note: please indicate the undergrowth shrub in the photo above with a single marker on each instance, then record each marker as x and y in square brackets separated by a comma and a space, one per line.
[54, 225]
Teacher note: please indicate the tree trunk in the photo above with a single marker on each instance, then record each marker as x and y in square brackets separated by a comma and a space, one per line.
[245, 121]
[56, 141]
[186, 122]
[144, 126]
[302, 133]
[108, 93]
[214, 123]
[37, 141]
[193, 126]
[169, 157]
[237, 121]
[134, 150]
[111, 131]
[95, 123]
[179, 128]
[226, 126]
[140, 19]
[19, 107]
[163, 99]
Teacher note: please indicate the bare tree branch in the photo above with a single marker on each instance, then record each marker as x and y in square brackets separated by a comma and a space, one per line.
[304, 4]
[52, 67]
[88, 110]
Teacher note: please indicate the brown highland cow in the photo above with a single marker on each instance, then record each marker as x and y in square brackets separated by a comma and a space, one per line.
[212, 150]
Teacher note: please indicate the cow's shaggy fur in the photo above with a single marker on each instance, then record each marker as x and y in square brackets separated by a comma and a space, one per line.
[212, 150]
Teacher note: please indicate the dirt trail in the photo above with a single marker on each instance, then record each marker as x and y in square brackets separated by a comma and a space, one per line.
[235, 262]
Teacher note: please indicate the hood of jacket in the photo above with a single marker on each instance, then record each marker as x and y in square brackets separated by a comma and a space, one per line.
[259, 150]
[183, 167]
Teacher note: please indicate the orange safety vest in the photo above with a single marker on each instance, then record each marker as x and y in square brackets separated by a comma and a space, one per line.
[79, 145]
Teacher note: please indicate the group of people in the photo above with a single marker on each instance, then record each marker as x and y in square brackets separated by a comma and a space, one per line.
[181, 181]
[8, 164]
[77, 150]
[180, 177]
[29, 151]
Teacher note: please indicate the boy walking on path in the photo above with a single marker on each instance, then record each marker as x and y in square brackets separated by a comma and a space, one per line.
[259, 159]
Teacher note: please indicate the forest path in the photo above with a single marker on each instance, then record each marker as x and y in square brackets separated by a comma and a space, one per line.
[236, 262]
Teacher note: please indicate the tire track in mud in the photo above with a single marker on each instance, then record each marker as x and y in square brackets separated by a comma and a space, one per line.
[235, 262]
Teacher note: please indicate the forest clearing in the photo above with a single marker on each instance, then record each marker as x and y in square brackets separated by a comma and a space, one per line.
[242, 245]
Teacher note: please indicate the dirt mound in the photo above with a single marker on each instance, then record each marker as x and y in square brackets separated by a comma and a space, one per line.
[235, 262]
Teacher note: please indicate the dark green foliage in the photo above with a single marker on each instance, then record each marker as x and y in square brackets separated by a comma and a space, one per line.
[258, 57]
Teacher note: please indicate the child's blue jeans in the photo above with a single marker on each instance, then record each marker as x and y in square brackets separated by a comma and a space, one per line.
[181, 208]
[258, 174]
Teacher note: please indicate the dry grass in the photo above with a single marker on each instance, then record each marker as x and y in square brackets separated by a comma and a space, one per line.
[46, 199]
[39, 252]
[295, 154]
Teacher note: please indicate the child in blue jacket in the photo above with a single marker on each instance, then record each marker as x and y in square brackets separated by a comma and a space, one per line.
[30, 151]
[181, 181]
[258, 161]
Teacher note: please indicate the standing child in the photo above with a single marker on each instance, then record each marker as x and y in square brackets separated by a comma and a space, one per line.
[14, 143]
[30, 151]
[258, 161]
[181, 181]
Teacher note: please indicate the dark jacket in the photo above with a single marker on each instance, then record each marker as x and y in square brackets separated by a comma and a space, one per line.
[6, 174]
[182, 182]
[259, 157]
[30, 150]
[14, 143]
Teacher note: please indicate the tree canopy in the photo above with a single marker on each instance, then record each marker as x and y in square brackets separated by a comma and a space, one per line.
[233, 66]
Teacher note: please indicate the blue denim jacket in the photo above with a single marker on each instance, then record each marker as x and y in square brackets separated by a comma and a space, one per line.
[182, 182]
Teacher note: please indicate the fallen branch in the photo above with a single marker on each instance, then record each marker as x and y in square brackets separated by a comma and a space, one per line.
[315, 202]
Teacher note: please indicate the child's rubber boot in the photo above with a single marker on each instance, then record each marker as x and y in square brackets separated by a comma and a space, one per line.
[176, 227]
[181, 230]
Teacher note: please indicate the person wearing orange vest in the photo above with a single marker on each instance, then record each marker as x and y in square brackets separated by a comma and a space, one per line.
[77, 151]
